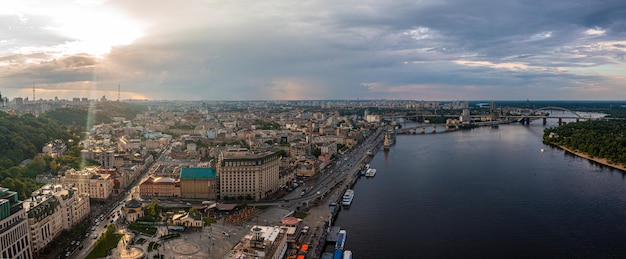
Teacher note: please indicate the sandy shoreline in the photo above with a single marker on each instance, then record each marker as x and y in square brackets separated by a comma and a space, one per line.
[602, 161]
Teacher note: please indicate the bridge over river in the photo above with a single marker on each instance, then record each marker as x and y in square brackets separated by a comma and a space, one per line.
[494, 119]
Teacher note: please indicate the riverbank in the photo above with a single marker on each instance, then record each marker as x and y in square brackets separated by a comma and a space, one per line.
[602, 161]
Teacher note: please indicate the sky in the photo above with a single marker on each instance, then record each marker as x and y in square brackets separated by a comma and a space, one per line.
[312, 50]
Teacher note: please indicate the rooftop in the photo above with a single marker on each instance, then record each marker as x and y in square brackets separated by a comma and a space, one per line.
[197, 173]
[133, 204]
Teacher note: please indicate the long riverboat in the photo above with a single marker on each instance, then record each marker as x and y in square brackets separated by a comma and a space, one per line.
[347, 197]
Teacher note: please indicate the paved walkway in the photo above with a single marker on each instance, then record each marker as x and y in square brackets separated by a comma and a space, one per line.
[209, 242]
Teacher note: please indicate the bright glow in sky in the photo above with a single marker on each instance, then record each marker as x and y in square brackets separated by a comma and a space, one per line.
[94, 32]
[274, 49]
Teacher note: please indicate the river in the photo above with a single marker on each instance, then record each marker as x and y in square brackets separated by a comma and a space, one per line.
[486, 193]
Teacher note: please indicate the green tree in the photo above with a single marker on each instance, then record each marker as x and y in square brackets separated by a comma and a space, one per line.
[281, 153]
[35, 168]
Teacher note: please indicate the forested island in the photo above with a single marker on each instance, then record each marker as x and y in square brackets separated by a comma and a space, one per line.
[599, 140]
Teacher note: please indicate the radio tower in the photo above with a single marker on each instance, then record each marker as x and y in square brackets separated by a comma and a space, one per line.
[33, 90]
[118, 93]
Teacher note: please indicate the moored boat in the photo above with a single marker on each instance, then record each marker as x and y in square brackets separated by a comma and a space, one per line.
[338, 254]
[347, 198]
[341, 239]
[370, 172]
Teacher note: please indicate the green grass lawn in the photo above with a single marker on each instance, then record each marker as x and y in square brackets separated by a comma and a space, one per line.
[153, 246]
[144, 229]
[104, 244]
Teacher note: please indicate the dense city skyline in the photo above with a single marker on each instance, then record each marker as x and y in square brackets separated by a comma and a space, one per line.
[223, 50]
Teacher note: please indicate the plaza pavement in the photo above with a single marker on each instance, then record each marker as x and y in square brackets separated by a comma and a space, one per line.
[208, 242]
[191, 244]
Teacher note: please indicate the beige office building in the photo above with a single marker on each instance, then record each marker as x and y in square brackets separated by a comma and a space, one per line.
[159, 187]
[198, 183]
[242, 173]
[90, 181]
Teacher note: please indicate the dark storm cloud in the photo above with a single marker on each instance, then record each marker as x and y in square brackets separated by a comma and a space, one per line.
[49, 74]
[365, 49]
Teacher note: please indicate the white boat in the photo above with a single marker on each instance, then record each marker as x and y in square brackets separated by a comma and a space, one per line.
[370, 172]
[341, 239]
[347, 197]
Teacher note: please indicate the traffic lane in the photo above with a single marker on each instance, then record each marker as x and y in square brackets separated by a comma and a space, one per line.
[321, 184]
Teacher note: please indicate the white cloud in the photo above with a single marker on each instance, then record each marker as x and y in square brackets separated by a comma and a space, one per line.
[504, 65]
[597, 31]
[421, 33]
[310, 49]
[541, 36]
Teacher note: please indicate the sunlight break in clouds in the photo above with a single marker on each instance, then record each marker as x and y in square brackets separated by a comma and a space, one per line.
[86, 26]
[95, 32]
[276, 49]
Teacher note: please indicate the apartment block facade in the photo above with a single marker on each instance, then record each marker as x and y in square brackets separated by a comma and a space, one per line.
[52, 209]
[242, 173]
[14, 238]
[90, 181]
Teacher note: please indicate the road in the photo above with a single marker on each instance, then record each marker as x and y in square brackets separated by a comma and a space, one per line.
[114, 213]
[346, 165]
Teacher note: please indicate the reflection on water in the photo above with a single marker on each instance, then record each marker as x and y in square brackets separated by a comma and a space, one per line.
[486, 193]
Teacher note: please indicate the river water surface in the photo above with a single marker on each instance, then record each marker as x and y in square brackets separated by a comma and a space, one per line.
[486, 193]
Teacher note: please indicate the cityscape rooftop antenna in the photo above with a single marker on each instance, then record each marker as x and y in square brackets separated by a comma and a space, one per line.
[33, 90]
[118, 92]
